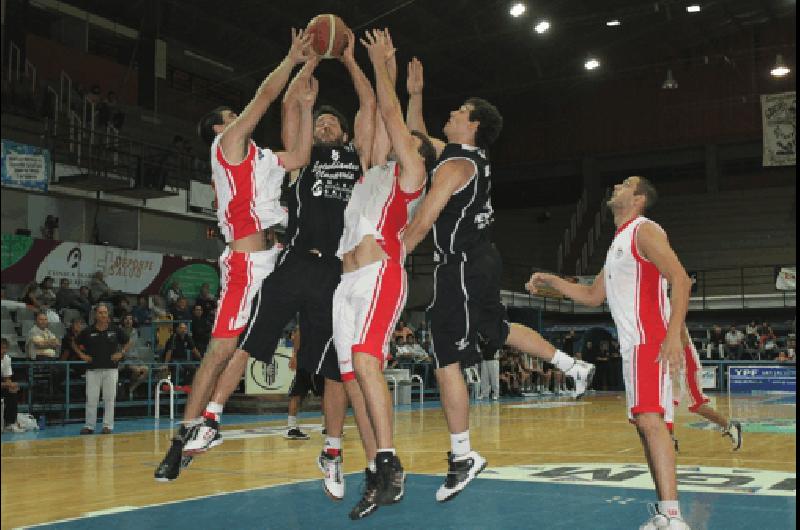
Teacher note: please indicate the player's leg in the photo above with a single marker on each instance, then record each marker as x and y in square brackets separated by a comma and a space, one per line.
[301, 385]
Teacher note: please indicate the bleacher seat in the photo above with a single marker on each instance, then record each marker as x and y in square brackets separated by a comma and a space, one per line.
[58, 329]
[8, 327]
[25, 314]
[26, 326]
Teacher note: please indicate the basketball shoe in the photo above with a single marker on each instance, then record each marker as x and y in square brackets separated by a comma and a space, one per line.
[734, 432]
[330, 463]
[174, 461]
[368, 503]
[582, 373]
[295, 434]
[203, 437]
[391, 478]
[657, 521]
[460, 472]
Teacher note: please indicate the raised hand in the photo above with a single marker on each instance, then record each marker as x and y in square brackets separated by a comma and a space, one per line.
[300, 50]
[391, 60]
[537, 281]
[414, 81]
[378, 46]
[348, 55]
[307, 91]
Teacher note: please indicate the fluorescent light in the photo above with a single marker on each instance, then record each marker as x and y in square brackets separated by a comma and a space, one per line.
[693, 8]
[591, 64]
[780, 69]
[541, 27]
[518, 9]
[669, 83]
[613, 22]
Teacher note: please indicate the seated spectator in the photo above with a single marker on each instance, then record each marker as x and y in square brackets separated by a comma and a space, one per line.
[524, 370]
[417, 352]
[423, 334]
[64, 296]
[782, 357]
[201, 328]
[181, 310]
[134, 367]
[509, 377]
[99, 289]
[402, 330]
[207, 301]
[765, 334]
[602, 367]
[47, 293]
[159, 311]
[83, 302]
[10, 390]
[716, 342]
[734, 342]
[121, 308]
[30, 296]
[142, 315]
[173, 294]
[402, 351]
[180, 345]
[42, 343]
[69, 346]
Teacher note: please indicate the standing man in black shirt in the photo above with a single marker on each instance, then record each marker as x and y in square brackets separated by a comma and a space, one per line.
[466, 303]
[102, 346]
[308, 270]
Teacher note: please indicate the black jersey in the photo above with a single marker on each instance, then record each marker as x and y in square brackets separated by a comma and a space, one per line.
[464, 221]
[318, 197]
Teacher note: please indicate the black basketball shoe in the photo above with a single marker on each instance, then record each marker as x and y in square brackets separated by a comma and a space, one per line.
[391, 478]
[460, 472]
[174, 461]
[368, 503]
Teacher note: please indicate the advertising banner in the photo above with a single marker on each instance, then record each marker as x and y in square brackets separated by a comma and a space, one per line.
[766, 379]
[709, 377]
[779, 123]
[25, 166]
[269, 378]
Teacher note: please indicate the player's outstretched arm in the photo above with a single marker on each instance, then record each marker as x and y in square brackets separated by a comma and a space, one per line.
[381, 144]
[449, 178]
[414, 117]
[653, 245]
[589, 295]
[364, 123]
[412, 166]
[300, 155]
[234, 141]
[290, 108]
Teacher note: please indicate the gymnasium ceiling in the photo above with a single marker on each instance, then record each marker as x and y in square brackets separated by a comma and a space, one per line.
[475, 46]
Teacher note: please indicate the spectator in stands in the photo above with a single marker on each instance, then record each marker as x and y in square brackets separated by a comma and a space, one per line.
[121, 308]
[417, 351]
[42, 343]
[614, 366]
[83, 302]
[568, 344]
[402, 330]
[173, 293]
[30, 296]
[102, 346]
[402, 351]
[64, 296]
[47, 293]
[716, 341]
[524, 370]
[791, 346]
[601, 365]
[159, 310]
[207, 301]
[423, 334]
[201, 328]
[134, 368]
[10, 390]
[765, 334]
[142, 315]
[69, 347]
[734, 342]
[99, 289]
[509, 377]
[179, 347]
[181, 310]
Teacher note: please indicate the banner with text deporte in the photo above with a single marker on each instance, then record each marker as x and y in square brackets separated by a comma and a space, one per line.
[25, 259]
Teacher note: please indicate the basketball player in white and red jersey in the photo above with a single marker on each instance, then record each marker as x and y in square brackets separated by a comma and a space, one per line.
[639, 267]
[690, 382]
[372, 292]
[467, 315]
[247, 182]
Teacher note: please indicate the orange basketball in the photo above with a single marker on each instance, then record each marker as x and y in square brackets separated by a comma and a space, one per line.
[328, 35]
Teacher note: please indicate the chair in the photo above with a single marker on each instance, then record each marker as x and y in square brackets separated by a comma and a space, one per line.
[25, 314]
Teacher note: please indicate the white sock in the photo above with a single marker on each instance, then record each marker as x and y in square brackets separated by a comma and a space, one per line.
[562, 361]
[292, 422]
[371, 466]
[459, 443]
[334, 444]
[214, 408]
[390, 450]
[671, 509]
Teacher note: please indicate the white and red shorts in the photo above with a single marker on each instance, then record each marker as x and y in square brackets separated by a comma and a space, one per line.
[691, 380]
[647, 388]
[366, 306]
[241, 274]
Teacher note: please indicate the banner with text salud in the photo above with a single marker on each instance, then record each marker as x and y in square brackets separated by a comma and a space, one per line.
[779, 124]
[25, 166]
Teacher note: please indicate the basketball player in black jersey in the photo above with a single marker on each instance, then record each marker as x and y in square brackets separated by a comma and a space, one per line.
[466, 313]
[308, 270]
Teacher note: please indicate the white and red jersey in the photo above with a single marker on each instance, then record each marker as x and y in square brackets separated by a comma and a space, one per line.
[636, 291]
[247, 193]
[379, 207]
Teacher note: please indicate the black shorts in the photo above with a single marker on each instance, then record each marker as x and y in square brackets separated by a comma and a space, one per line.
[302, 285]
[466, 314]
[304, 382]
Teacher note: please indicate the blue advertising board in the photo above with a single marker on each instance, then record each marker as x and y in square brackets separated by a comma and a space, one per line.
[25, 166]
[762, 378]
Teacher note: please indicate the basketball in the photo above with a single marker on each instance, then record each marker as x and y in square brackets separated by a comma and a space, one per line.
[328, 35]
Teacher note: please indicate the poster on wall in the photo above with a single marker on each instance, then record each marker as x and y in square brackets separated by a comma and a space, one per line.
[25, 166]
[274, 377]
[779, 123]
[25, 259]
[786, 279]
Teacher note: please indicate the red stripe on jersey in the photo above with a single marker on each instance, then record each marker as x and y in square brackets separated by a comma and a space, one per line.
[387, 296]
[648, 302]
[693, 380]
[232, 296]
[240, 212]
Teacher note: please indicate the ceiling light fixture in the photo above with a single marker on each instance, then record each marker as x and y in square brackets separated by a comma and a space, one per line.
[518, 9]
[591, 64]
[613, 22]
[669, 83]
[541, 27]
[780, 69]
[693, 8]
